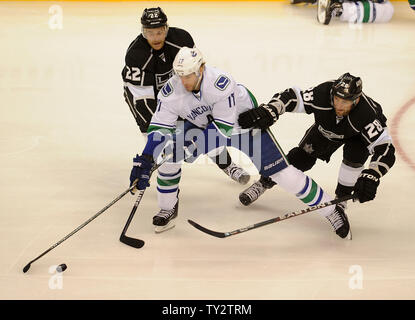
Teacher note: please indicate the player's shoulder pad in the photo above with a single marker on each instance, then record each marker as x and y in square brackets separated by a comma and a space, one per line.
[222, 82]
[137, 53]
[324, 89]
[180, 37]
[171, 90]
[362, 114]
[219, 82]
[167, 89]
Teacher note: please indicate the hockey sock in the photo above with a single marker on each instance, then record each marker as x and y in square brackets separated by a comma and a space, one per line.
[168, 179]
[366, 11]
[303, 187]
[347, 178]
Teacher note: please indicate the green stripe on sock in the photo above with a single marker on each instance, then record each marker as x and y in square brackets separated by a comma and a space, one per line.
[168, 183]
[312, 194]
[366, 11]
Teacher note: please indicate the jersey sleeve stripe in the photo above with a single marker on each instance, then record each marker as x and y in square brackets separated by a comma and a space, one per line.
[224, 122]
[148, 60]
[299, 108]
[369, 102]
[225, 129]
[149, 109]
[140, 92]
[162, 125]
[135, 111]
[162, 129]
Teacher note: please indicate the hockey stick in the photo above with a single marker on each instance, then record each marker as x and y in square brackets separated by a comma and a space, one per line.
[133, 242]
[266, 222]
[27, 267]
[138, 243]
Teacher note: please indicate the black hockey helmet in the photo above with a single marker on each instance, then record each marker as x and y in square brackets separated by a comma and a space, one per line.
[347, 87]
[153, 18]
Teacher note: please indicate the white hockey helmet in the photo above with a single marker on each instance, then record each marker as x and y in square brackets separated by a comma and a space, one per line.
[188, 61]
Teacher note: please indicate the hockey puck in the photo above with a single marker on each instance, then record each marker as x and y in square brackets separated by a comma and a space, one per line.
[61, 268]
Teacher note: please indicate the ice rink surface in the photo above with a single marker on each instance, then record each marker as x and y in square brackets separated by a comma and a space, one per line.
[68, 138]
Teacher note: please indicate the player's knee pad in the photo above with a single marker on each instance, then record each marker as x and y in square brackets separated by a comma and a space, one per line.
[290, 179]
[301, 159]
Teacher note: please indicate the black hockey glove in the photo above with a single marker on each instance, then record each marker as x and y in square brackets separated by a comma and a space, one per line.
[262, 117]
[366, 185]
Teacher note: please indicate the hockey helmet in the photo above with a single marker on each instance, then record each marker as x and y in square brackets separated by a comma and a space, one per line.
[188, 61]
[347, 87]
[153, 18]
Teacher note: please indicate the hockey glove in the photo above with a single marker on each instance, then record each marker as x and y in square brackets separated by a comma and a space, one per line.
[262, 117]
[140, 173]
[366, 185]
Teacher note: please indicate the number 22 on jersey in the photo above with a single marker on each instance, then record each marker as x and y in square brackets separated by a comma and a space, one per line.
[133, 73]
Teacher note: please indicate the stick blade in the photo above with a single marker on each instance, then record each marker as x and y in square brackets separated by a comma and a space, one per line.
[205, 230]
[26, 268]
[135, 243]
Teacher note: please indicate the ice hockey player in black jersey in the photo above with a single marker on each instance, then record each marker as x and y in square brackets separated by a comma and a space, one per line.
[344, 116]
[149, 63]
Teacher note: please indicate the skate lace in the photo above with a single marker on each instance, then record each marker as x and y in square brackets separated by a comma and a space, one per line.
[336, 219]
[165, 214]
[255, 190]
[234, 172]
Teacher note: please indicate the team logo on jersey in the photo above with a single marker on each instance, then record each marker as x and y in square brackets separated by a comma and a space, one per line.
[198, 111]
[162, 57]
[330, 135]
[222, 82]
[167, 90]
[308, 147]
[162, 78]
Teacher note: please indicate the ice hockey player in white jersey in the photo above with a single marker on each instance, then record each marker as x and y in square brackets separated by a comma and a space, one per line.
[211, 101]
[148, 66]
[367, 11]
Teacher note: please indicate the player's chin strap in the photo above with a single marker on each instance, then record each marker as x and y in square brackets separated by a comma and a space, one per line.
[197, 85]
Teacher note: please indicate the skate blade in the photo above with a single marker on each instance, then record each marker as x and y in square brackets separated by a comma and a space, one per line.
[160, 229]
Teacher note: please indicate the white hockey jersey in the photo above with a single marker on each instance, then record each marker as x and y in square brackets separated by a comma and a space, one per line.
[219, 96]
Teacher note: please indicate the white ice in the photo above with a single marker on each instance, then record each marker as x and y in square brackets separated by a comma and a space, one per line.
[68, 138]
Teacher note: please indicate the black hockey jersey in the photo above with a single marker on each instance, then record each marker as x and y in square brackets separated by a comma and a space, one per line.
[366, 120]
[146, 71]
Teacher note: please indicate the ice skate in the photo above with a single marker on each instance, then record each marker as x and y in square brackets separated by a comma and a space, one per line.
[326, 9]
[165, 219]
[340, 223]
[253, 192]
[237, 173]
